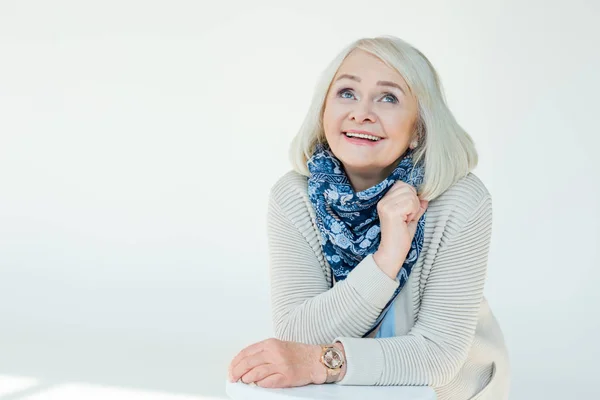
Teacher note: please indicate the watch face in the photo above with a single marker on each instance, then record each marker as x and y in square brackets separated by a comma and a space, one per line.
[332, 358]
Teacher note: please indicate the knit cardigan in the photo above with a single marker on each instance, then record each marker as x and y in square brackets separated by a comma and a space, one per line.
[446, 335]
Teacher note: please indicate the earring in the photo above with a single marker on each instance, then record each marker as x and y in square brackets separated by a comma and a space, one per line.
[413, 145]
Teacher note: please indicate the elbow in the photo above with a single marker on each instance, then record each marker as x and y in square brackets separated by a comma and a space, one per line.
[444, 377]
[440, 360]
[446, 365]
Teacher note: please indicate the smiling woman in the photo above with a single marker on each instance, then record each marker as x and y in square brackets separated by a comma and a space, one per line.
[379, 239]
[363, 103]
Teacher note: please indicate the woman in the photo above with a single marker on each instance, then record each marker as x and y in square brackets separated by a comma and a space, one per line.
[379, 239]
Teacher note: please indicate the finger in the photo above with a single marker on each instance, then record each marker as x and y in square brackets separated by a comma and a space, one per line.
[272, 381]
[248, 363]
[248, 351]
[424, 204]
[422, 209]
[259, 373]
[404, 199]
[417, 216]
[401, 208]
[414, 208]
[402, 186]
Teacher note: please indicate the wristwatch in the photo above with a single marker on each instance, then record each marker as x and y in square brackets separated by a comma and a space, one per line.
[333, 359]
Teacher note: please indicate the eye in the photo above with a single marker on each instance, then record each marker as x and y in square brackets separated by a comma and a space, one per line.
[394, 98]
[341, 92]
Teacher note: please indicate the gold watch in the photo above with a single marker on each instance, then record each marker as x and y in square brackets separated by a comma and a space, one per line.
[333, 360]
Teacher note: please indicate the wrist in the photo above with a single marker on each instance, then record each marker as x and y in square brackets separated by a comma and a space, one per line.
[389, 265]
[319, 371]
[326, 369]
[340, 346]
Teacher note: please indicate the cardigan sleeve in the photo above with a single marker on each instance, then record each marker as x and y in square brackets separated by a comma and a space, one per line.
[304, 308]
[437, 346]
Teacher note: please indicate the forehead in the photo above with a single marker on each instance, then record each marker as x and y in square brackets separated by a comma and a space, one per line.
[369, 68]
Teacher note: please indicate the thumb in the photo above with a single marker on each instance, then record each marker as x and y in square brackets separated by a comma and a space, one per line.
[424, 205]
[413, 218]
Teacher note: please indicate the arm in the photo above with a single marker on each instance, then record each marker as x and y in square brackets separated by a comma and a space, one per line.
[304, 308]
[438, 344]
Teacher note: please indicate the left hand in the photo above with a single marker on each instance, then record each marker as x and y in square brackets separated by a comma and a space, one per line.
[273, 363]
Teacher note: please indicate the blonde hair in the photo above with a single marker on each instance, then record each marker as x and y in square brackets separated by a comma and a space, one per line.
[447, 151]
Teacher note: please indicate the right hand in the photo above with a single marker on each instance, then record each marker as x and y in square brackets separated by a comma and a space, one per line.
[399, 212]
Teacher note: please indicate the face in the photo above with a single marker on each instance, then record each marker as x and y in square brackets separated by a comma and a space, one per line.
[367, 95]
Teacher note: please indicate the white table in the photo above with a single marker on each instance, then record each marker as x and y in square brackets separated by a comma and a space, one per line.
[242, 391]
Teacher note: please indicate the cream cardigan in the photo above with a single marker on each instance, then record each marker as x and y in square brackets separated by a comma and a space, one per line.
[447, 336]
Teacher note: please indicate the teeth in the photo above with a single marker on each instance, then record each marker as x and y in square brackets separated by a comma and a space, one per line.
[363, 136]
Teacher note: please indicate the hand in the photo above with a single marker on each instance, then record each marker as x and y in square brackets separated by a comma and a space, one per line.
[399, 212]
[273, 363]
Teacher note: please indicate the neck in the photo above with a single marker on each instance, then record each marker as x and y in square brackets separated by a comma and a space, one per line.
[364, 179]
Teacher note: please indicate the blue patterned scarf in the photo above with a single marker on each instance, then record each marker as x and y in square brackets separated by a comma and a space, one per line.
[348, 220]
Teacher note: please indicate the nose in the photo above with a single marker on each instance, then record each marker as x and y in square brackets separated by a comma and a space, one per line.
[361, 111]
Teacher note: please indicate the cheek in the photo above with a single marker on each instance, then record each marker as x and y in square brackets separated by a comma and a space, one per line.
[332, 118]
[334, 112]
[398, 127]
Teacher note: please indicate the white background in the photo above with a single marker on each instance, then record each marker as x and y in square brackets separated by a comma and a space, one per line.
[139, 140]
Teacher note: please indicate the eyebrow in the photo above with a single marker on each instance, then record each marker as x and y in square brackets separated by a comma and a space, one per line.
[379, 83]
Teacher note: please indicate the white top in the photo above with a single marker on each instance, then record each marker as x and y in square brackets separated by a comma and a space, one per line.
[446, 334]
[242, 391]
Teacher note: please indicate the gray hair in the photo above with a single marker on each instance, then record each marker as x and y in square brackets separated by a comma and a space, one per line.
[447, 150]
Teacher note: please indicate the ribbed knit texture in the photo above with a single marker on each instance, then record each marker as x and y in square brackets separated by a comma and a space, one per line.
[454, 343]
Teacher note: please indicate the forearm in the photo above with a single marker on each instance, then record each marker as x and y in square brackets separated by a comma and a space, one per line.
[438, 344]
[350, 308]
[403, 360]
[304, 307]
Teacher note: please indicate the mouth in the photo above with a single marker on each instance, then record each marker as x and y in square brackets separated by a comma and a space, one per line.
[362, 138]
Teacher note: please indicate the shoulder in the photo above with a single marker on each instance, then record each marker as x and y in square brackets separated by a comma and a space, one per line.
[456, 205]
[289, 195]
[467, 198]
[290, 179]
[469, 188]
[291, 187]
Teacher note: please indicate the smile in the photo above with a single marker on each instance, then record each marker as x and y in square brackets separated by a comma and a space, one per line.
[361, 139]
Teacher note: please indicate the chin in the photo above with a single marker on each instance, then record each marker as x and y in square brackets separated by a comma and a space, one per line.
[353, 154]
[356, 162]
